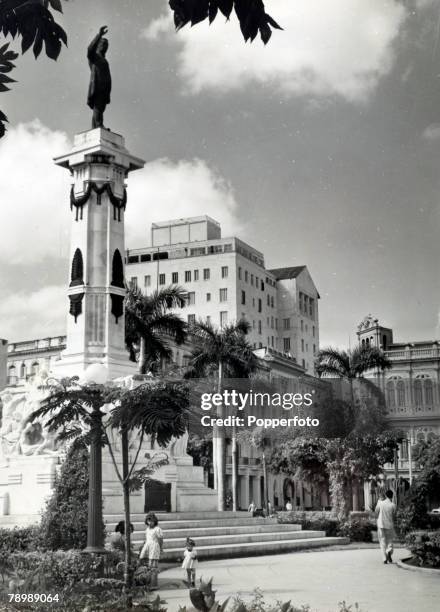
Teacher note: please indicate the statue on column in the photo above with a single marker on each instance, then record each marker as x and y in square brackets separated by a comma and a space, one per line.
[100, 79]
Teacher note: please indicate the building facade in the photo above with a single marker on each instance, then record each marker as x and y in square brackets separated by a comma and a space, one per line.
[226, 280]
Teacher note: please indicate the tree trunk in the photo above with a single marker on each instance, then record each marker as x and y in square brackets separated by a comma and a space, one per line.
[128, 577]
[265, 500]
[142, 356]
[234, 468]
[338, 494]
[221, 463]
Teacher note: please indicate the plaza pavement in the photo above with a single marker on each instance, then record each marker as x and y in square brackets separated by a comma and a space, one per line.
[319, 578]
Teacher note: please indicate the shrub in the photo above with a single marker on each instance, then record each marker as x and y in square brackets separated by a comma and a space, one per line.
[64, 522]
[358, 529]
[412, 513]
[20, 539]
[425, 548]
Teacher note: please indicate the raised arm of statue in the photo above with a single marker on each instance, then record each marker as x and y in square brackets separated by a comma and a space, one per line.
[92, 48]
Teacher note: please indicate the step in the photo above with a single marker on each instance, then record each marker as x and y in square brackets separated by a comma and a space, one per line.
[243, 538]
[217, 531]
[189, 525]
[183, 516]
[253, 548]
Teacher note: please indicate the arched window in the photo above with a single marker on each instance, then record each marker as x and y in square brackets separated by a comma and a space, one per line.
[418, 395]
[428, 392]
[77, 272]
[391, 399]
[401, 400]
[404, 449]
[23, 370]
[34, 368]
[117, 270]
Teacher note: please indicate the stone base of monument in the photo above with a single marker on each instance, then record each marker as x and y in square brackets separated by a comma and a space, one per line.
[25, 485]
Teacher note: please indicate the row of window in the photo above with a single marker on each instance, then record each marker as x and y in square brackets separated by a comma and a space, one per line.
[398, 395]
[188, 277]
[223, 318]
[194, 252]
[306, 305]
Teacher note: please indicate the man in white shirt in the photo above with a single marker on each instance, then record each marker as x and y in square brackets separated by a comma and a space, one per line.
[386, 512]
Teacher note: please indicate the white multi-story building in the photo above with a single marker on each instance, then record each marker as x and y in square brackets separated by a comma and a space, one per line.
[226, 280]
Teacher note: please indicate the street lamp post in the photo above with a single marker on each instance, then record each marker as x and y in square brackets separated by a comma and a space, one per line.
[95, 535]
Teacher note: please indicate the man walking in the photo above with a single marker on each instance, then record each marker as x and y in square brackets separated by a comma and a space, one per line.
[386, 511]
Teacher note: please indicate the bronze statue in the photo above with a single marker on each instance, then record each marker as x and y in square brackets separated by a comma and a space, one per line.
[100, 78]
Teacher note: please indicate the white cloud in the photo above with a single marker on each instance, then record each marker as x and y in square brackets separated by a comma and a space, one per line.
[328, 47]
[34, 194]
[432, 132]
[38, 314]
[166, 190]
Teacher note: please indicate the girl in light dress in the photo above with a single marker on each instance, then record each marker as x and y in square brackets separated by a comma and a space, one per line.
[152, 549]
[190, 561]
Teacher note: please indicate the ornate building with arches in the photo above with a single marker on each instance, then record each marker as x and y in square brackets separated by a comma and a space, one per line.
[411, 389]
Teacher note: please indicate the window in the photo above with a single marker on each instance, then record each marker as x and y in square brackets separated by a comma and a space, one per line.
[246, 276]
[286, 344]
[223, 295]
[302, 344]
[418, 398]
[268, 299]
[259, 327]
[272, 342]
[34, 368]
[187, 276]
[428, 392]
[311, 307]
[286, 323]
[314, 331]
[224, 271]
[302, 325]
[191, 319]
[223, 318]
[272, 303]
[262, 286]
[252, 279]
[391, 400]
[304, 363]
[260, 306]
[196, 275]
[133, 282]
[268, 321]
[253, 302]
[314, 349]
[161, 279]
[198, 251]
[147, 281]
[175, 278]
[401, 393]
[23, 370]
[208, 320]
[256, 283]
[272, 322]
[243, 297]
[191, 298]
[239, 273]
[260, 345]
[208, 297]
[276, 323]
[206, 274]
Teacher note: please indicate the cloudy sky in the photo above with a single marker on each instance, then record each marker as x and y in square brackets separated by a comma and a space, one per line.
[321, 149]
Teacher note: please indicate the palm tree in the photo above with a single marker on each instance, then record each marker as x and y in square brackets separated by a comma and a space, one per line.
[227, 351]
[148, 321]
[352, 364]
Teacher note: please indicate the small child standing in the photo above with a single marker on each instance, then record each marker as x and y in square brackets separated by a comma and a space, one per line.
[190, 561]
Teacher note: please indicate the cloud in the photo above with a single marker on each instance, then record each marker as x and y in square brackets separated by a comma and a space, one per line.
[432, 132]
[170, 190]
[34, 194]
[37, 314]
[328, 47]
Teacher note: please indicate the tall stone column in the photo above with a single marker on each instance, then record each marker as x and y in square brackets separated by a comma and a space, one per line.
[99, 164]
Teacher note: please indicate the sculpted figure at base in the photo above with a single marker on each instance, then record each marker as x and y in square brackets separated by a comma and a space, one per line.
[100, 79]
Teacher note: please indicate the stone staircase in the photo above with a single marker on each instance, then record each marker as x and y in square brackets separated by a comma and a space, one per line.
[225, 534]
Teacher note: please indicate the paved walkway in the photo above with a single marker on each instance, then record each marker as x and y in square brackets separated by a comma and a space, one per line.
[321, 579]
